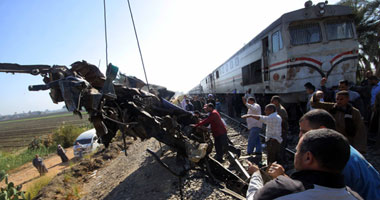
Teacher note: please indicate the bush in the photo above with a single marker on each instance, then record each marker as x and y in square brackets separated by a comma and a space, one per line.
[66, 135]
[10, 192]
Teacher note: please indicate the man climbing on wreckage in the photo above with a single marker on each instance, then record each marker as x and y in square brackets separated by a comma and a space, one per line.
[219, 132]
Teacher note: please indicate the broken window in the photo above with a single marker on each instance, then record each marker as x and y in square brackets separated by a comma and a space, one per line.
[339, 30]
[252, 73]
[305, 34]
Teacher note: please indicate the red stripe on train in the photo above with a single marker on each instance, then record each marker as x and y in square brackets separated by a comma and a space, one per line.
[297, 59]
[342, 54]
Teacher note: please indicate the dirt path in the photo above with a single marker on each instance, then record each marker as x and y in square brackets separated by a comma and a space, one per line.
[28, 174]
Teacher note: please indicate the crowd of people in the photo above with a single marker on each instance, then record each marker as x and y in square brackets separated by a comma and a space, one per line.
[329, 161]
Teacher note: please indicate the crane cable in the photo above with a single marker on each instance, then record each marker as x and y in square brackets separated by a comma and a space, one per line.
[138, 44]
[105, 30]
[137, 39]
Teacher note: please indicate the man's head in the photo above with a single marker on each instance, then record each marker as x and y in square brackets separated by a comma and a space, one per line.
[276, 100]
[36, 156]
[322, 150]
[373, 80]
[368, 73]
[310, 88]
[251, 100]
[342, 98]
[210, 107]
[343, 85]
[210, 96]
[316, 119]
[187, 101]
[269, 109]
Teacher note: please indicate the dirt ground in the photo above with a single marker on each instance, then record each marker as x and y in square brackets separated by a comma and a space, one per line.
[28, 174]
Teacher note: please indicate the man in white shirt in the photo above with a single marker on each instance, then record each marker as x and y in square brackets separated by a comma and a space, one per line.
[272, 131]
[254, 126]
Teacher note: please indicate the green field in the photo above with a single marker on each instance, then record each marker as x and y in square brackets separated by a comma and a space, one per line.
[19, 133]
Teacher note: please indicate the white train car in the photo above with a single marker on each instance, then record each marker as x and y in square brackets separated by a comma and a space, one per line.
[301, 46]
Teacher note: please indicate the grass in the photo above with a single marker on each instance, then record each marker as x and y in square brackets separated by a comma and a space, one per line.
[38, 185]
[37, 118]
[9, 161]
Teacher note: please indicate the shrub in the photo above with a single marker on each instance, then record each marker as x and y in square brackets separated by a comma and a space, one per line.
[10, 192]
[66, 135]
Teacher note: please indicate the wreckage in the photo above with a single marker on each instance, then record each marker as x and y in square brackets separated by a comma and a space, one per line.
[119, 102]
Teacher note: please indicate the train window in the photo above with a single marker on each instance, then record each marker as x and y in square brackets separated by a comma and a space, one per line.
[217, 74]
[305, 34]
[339, 30]
[276, 41]
[236, 61]
[231, 64]
[252, 73]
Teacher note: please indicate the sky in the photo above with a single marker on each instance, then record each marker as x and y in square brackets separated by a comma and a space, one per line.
[181, 40]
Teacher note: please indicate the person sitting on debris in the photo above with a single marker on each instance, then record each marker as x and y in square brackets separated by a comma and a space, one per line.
[348, 119]
[62, 153]
[219, 132]
[39, 165]
[273, 131]
[254, 126]
[319, 160]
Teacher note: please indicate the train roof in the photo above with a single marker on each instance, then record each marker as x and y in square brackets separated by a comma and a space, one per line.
[297, 15]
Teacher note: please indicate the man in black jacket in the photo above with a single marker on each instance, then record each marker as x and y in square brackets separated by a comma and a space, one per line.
[320, 158]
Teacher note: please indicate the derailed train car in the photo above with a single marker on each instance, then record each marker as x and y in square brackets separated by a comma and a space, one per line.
[301, 46]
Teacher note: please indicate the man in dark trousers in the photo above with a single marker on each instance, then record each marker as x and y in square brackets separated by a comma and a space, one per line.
[39, 165]
[219, 132]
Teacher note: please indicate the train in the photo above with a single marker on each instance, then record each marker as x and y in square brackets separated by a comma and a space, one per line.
[301, 46]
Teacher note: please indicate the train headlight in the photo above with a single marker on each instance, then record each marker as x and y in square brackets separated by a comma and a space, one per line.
[322, 12]
[321, 5]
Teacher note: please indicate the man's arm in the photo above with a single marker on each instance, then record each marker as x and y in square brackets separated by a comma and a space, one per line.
[315, 103]
[255, 184]
[257, 117]
[205, 121]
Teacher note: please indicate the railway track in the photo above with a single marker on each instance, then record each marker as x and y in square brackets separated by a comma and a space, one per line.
[238, 134]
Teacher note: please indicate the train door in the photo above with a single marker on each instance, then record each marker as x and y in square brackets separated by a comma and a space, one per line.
[265, 53]
[212, 83]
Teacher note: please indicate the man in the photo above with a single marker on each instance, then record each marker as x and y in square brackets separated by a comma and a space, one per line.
[197, 104]
[359, 175]
[219, 132]
[183, 102]
[373, 80]
[354, 97]
[189, 106]
[39, 165]
[310, 89]
[348, 119]
[272, 131]
[276, 100]
[248, 93]
[254, 126]
[319, 160]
